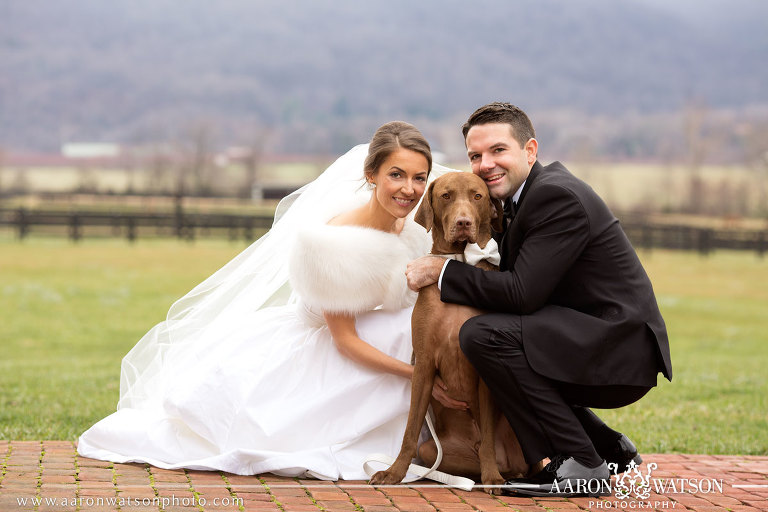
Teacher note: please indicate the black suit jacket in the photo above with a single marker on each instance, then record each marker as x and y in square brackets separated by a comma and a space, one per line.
[588, 311]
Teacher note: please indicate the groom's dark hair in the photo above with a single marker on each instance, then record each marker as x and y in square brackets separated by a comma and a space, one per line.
[501, 112]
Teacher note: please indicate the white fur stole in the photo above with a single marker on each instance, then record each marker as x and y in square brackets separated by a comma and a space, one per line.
[351, 269]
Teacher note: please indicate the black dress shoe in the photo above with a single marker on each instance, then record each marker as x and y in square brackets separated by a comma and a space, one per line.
[621, 453]
[571, 479]
[546, 475]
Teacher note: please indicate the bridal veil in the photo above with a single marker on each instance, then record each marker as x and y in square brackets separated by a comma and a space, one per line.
[257, 278]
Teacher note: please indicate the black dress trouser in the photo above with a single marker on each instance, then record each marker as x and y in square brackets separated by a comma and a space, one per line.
[549, 417]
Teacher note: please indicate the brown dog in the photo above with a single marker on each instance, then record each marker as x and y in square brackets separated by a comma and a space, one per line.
[458, 209]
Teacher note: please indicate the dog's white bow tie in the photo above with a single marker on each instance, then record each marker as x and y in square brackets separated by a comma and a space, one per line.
[473, 254]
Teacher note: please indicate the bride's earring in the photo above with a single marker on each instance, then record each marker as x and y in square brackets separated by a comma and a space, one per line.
[371, 184]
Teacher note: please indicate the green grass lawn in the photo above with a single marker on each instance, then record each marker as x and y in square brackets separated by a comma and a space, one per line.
[715, 310]
[70, 312]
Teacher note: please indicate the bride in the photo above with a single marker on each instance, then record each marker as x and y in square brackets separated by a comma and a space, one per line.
[294, 357]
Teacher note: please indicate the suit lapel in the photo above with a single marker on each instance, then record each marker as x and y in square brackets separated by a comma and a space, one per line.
[507, 241]
[535, 171]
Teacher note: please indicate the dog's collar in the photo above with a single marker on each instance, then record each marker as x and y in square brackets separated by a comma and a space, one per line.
[457, 256]
[473, 254]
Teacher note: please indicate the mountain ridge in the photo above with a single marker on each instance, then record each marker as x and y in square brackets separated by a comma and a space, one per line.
[327, 74]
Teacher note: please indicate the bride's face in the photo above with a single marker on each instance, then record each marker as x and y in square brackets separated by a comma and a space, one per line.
[400, 181]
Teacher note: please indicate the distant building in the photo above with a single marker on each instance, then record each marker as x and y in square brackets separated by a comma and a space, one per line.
[90, 150]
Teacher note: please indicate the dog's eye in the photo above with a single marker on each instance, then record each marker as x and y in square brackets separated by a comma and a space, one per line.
[478, 197]
[446, 196]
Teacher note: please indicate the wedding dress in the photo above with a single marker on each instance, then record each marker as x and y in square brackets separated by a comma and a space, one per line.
[244, 376]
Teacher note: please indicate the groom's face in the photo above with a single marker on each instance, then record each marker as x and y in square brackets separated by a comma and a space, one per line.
[498, 159]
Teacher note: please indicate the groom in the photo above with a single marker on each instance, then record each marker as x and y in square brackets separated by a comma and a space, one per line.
[573, 321]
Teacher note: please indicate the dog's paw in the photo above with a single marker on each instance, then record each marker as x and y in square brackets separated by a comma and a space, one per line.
[386, 477]
[494, 480]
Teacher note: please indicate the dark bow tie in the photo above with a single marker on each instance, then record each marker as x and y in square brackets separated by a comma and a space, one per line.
[510, 208]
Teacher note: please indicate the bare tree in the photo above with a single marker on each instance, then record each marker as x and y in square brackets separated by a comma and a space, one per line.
[20, 183]
[87, 180]
[756, 145]
[762, 185]
[2, 163]
[200, 162]
[159, 169]
[694, 115]
[252, 162]
[128, 164]
[194, 170]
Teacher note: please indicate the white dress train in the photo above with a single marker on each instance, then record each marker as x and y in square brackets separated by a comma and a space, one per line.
[293, 406]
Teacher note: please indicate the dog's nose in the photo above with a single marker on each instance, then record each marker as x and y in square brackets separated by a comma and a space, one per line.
[463, 223]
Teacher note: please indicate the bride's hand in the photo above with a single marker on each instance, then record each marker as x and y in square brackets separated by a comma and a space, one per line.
[440, 393]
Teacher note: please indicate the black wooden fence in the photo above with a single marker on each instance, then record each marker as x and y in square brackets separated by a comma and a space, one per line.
[691, 238]
[185, 225]
[188, 225]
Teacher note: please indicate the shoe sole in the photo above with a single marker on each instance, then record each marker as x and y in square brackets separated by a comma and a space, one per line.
[534, 490]
[545, 494]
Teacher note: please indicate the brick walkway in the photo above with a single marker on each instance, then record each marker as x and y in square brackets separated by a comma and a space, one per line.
[51, 477]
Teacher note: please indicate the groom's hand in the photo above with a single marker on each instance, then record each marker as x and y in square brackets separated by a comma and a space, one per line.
[424, 271]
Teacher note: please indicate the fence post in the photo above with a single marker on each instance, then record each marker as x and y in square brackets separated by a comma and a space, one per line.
[705, 241]
[74, 227]
[22, 223]
[179, 217]
[190, 228]
[131, 229]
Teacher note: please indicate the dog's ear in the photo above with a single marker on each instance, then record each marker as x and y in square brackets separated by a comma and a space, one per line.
[497, 215]
[424, 214]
